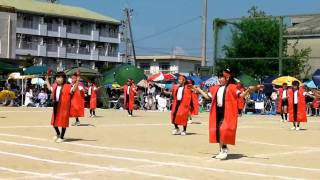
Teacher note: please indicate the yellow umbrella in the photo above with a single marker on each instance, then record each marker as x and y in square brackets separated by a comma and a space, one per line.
[285, 79]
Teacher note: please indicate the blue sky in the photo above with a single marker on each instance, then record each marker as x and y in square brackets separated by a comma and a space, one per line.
[153, 16]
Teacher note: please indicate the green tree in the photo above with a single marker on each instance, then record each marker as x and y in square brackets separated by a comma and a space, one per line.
[258, 36]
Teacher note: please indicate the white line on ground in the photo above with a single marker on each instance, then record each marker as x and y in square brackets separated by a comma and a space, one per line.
[112, 169]
[288, 153]
[159, 153]
[32, 173]
[151, 161]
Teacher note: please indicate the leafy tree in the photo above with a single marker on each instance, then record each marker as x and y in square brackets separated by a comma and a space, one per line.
[258, 36]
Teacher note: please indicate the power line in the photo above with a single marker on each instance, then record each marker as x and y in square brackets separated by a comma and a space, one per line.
[168, 29]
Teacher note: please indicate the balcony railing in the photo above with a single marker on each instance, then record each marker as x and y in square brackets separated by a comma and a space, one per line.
[52, 27]
[27, 45]
[105, 33]
[52, 47]
[80, 50]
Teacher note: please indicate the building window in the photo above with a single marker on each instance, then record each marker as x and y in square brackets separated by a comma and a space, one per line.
[164, 66]
[145, 66]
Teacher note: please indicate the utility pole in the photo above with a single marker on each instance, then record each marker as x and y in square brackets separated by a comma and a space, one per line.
[128, 13]
[280, 46]
[204, 33]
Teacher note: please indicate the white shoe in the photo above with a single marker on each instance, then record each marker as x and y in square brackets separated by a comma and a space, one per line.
[282, 120]
[297, 128]
[183, 133]
[176, 132]
[129, 115]
[222, 155]
[54, 138]
[59, 140]
[90, 116]
[293, 128]
[190, 122]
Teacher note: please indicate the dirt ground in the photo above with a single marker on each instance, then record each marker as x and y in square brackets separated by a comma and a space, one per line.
[115, 146]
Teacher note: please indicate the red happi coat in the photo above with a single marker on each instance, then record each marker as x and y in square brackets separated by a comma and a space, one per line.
[280, 90]
[93, 98]
[315, 103]
[195, 104]
[77, 104]
[179, 115]
[228, 127]
[241, 101]
[302, 113]
[131, 97]
[61, 114]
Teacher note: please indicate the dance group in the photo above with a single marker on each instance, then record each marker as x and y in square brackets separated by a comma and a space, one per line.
[68, 100]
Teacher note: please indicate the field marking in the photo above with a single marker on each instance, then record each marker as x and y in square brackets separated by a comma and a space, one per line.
[114, 169]
[287, 153]
[32, 173]
[161, 153]
[58, 174]
[93, 166]
[153, 162]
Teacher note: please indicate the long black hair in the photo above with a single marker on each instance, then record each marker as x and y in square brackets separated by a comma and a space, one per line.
[231, 78]
[63, 75]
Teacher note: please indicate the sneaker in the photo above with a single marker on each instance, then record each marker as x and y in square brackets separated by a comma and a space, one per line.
[54, 138]
[78, 123]
[293, 128]
[176, 132]
[90, 116]
[297, 128]
[189, 121]
[222, 155]
[282, 120]
[129, 115]
[74, 124]
[59, 140]
[183, 133]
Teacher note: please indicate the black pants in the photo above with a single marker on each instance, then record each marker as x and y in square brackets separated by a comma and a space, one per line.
[219, 120]
[127, 104]
[63, 131]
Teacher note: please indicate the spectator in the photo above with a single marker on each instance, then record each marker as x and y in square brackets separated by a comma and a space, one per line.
[42, 97]
[162, 103]
[29, 95]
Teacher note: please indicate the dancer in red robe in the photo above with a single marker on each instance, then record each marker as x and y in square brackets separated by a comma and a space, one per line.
[182, 94]
[241, 101]
[297, 105]
[129, 91]
[92, 93]
[77, 102]
[283, 102]
[194, 104]
[61, 97]
[224, 111]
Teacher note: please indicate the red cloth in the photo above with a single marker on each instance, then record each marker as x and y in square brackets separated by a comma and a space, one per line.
[302, 113]
[195, 104]
[61, 114]
[315, 103]
[131, 96]
[77, 104]
[179, 115]
[229, 125]
[241, 101]
[93, 98]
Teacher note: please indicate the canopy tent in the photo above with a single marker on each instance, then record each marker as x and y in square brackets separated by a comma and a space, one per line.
[197, 80]
[36, 70]
[316, 77]
[247, 80]
[310, 84]
[122, 73]
[6, 68]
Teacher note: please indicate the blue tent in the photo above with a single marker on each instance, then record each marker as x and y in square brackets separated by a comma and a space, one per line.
[316, 77]
[310, 84]
[196, 79]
